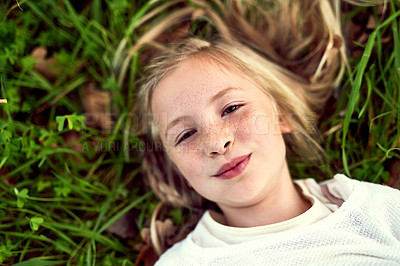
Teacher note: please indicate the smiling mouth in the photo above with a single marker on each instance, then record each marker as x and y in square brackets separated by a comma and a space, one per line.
[233, 168]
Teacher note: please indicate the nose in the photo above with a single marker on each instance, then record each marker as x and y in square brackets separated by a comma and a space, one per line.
[217, 142]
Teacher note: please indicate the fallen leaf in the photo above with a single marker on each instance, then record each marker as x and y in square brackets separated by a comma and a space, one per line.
[394, 177]
[124, 227]
[9, 181]
[165, 229]
[96, 104]
[166, 232]
[47, 67]
[72, 140]
[147, 256]
[359, 28]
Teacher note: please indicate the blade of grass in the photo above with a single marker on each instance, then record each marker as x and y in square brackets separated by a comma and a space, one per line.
[34, 262]
[96, 10]
[366, 103]
[59, 233]
[89, 235]
[89, 255]
[124, 211]
[396, 41]
[85, 32]
[357, 85]
[40, 14]
[26, 235]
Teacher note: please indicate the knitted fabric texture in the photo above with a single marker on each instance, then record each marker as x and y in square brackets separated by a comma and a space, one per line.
[365, 230]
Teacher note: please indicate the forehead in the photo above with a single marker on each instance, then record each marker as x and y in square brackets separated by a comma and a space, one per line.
[193, 77]
[192, 80]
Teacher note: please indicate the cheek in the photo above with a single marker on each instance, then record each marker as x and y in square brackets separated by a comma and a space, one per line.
[266, 124]
[188, 150]
[251, 123]
[259, 126]
[262, 125]
[187, 159]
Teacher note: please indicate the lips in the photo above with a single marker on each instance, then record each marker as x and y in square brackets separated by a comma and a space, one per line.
[234, 167]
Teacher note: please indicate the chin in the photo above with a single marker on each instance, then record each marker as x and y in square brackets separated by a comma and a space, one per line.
[246, 199]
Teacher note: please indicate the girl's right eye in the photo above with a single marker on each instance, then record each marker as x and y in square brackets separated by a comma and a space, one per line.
[185, 136]
[231, 109]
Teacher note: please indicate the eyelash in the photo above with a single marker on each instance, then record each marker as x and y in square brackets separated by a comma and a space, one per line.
[228, 110]
[185, 136]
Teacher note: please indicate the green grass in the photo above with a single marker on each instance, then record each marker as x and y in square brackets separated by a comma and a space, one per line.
[64, 183]
[56, 202]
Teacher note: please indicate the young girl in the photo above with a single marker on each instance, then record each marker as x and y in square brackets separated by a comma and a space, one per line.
[226, 117]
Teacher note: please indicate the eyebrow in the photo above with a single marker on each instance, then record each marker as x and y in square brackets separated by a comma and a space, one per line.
[222, 93]
[174, 123]
[213, 99]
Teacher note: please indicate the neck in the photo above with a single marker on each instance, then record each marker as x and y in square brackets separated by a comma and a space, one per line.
[284, 202]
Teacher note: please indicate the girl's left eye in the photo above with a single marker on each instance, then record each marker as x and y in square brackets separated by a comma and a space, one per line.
[185, 136]
[231, 109]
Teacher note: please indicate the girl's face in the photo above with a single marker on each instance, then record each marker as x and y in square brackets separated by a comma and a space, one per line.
[222, 132]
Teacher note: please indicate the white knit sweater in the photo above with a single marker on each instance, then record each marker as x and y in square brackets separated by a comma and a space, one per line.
[365, 230]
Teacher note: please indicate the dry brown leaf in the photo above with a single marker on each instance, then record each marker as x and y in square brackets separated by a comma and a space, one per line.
[96, 104]
[9, 181]
[124, 226]
[145, 235]
[147, 256]
[72, 141]
[166, 231]
[371, 24]
[394, 177]
[47, 67]
[71, 138]
[359, 28]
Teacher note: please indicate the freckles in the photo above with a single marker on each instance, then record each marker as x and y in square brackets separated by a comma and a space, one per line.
[188, 151]
[246, 123]
[188, 162]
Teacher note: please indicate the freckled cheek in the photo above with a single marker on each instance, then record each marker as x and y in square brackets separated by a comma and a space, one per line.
[186, 155]
[192, 149]
[245, 124]
[189, 162]
[255, 123]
